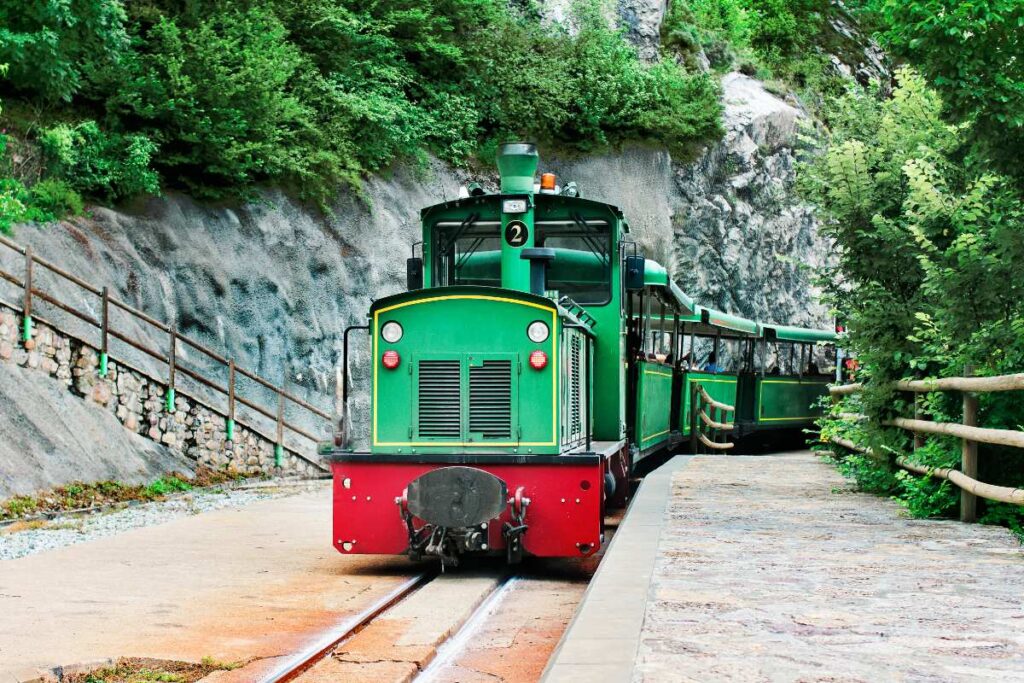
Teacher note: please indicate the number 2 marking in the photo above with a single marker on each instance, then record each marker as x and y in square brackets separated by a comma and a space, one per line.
[516, 233]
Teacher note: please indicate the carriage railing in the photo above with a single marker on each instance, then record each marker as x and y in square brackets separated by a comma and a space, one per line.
[708, 432]
[265, 403]
[967, 430]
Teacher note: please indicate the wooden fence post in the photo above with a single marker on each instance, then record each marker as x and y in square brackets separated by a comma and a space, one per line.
[919, 438]
[104, 326]
[969, 454]
[26, 321]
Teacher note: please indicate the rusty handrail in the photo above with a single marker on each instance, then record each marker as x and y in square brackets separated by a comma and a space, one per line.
[700, 402]
[712, 402]
[278, 417]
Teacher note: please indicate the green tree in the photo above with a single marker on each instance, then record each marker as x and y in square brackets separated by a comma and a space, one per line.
[928, 247]
[972, 52]
[53, 46]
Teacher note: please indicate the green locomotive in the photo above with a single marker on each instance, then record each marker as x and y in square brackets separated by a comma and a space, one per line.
[536, 357]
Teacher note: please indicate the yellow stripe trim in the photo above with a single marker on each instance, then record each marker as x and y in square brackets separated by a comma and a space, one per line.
[790, 381]
[653, 436]
[659, 374]
[778, 419]
[554, 371]
[464, 296]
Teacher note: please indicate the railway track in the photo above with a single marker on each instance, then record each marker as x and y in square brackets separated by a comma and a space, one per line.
[295, 667]
[301, 662]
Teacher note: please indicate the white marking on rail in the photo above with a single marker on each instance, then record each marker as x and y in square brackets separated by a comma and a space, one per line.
[457, 643]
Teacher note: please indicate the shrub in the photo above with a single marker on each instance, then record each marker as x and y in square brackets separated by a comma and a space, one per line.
[108, 165]
[56, 197]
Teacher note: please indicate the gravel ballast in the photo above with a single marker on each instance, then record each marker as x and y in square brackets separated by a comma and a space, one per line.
[17, 541]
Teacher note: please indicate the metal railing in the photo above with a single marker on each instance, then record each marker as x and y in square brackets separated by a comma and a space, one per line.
[170, 357]
[967, 431]
[708, 432]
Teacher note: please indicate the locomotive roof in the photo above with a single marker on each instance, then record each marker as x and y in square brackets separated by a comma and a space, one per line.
[483, 199]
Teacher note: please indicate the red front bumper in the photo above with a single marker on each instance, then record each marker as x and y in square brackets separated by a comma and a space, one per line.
[565, 515]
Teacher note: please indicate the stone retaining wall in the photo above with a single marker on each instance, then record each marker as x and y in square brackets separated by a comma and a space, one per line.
[137, 401]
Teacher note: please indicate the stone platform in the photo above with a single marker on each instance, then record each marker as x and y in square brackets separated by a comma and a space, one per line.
[742, 568]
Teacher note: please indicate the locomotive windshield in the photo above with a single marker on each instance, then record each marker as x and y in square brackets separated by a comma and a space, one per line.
[470, 254]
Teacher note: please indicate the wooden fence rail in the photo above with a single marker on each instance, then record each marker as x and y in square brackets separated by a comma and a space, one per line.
[170, 356]
[714, 423]
[968, 432]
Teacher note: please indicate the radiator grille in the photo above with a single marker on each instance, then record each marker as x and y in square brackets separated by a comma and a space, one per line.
[490, 399]
[440, 399]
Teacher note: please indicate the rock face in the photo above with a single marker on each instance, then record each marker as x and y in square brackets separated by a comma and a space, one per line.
[742, 239]
[642, 21]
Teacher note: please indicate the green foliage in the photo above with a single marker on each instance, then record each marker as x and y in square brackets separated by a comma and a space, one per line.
[165, 485]
[784, 27]
[928, 244]
[215, 94]
[973, 53]
[101, 164]
[54, 47]
[310, 94]
[55, 197]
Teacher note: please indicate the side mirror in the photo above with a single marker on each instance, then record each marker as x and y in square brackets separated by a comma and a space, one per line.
[414, 273]
[635, 272]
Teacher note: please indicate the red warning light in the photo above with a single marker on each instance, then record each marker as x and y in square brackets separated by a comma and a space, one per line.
[391, 359]
[538, 360]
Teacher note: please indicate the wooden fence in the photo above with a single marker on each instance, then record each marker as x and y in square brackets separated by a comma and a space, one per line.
[169, 357]
[708, 432]
[968, 432]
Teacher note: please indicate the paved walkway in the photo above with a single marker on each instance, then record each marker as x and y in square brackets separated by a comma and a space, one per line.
[250, 584]
[769, 569]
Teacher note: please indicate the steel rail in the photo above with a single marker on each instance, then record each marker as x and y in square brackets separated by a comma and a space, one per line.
[456, 642]
[299, 663]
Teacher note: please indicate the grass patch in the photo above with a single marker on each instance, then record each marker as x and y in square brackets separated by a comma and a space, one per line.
[78, 495]
[142, 670]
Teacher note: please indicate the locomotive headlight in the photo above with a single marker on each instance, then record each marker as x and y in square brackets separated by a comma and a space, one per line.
[392, 332]
[537, 331]
[514, 206]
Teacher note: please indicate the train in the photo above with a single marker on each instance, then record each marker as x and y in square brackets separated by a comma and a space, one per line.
[536, 358]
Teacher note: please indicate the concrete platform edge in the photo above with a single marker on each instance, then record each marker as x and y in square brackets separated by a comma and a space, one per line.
[602, 640]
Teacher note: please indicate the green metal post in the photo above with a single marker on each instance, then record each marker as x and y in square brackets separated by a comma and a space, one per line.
[172, 362]
[517, 163]
[26, 323]
[104, 328]
[279, 446]
[230, 426]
